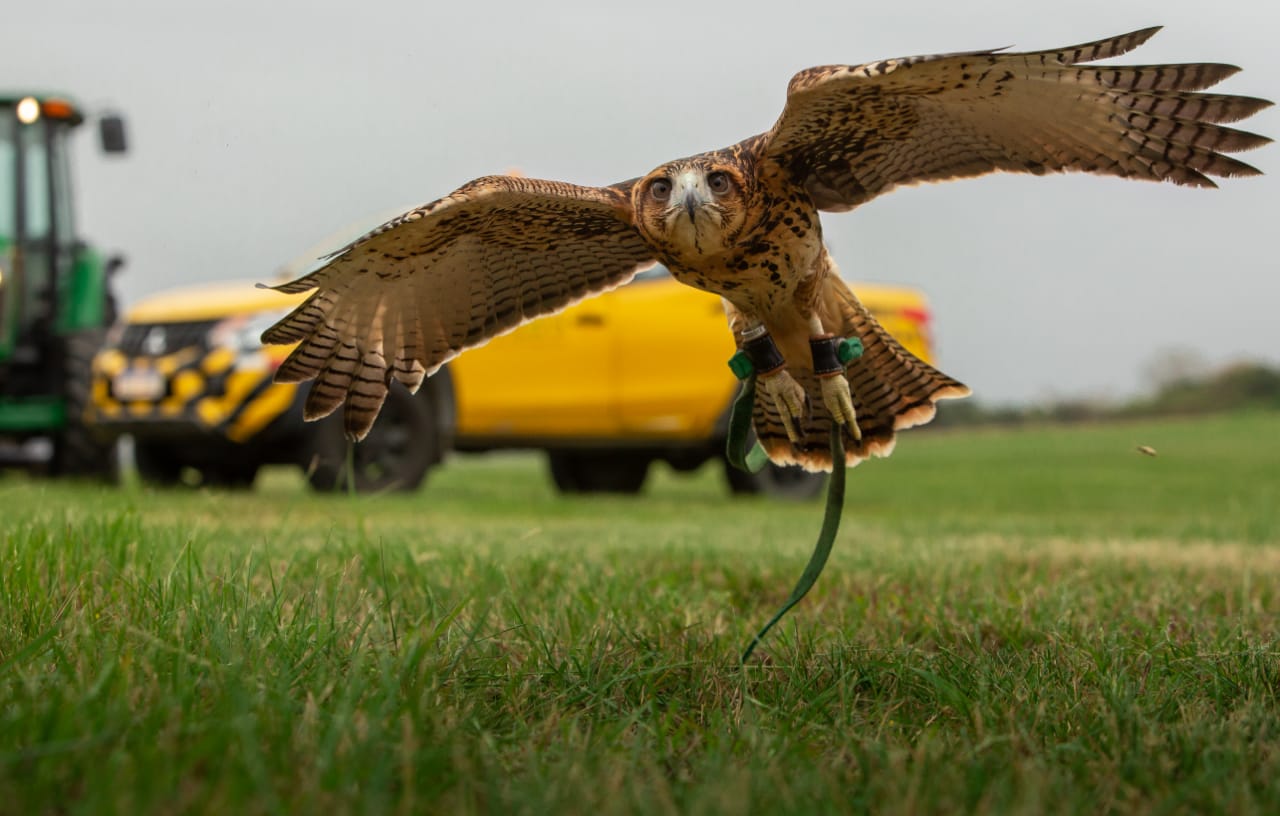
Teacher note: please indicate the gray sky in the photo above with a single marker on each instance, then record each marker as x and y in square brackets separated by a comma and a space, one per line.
[258, 128]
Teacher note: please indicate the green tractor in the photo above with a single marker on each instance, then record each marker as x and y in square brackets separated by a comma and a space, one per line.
[55, 298]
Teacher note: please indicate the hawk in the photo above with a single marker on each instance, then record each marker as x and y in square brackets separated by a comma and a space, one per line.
[743, 223]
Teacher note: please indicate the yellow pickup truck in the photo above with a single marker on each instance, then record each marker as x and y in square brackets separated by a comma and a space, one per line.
[606, 388]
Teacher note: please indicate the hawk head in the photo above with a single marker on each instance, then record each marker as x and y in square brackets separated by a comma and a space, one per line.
[694, 207]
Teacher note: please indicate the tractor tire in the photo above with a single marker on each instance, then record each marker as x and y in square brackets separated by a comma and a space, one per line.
[77, 450]
[394, 456]
[598, 471]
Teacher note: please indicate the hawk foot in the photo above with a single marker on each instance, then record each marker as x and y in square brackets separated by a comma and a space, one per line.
[787, 396]
[839, 402]
[830, 354]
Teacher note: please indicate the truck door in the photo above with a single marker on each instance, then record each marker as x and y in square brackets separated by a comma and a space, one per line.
[554, 377]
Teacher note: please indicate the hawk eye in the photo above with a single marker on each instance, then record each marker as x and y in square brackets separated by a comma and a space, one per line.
[718, 182]
[660, 189]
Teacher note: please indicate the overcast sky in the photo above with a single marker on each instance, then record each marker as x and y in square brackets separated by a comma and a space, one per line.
[258, 128]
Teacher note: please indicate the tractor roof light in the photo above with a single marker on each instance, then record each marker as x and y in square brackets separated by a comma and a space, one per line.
[58, 109]
[28, 110]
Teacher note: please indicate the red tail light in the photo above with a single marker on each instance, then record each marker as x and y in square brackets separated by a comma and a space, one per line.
[915, 314]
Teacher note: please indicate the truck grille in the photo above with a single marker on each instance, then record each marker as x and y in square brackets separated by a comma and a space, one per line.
[157, 339]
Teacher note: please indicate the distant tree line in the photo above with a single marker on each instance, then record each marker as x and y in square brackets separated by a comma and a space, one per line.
[1240, 386]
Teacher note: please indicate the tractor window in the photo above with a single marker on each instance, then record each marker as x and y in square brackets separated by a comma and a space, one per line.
[64, 232]
[8, 179]
[36, 159]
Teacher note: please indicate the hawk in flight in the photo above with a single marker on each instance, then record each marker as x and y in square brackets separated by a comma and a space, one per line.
[743, 223]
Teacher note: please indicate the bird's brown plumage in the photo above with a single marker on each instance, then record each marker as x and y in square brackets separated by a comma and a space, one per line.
[409, 296]
[892, 390]
[404, 299]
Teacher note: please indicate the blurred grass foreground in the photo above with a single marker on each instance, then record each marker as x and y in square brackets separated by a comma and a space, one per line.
[1032, 620]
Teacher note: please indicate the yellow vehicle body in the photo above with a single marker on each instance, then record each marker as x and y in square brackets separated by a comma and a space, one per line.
[640, 368]
[646, 361]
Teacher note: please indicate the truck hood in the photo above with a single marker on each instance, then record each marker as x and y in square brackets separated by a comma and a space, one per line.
[209, 301]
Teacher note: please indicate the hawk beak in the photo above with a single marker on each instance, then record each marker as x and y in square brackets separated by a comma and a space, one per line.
[691, 202]
[690, 195]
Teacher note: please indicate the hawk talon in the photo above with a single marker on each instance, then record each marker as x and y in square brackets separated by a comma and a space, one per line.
[787, 396]
[836, 396]
[830, 354]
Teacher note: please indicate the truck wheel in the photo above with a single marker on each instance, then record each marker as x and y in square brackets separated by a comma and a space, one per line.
[794, 483]
[155, 464]
[394, 456]
[233, 476]
[77, 450]
[598, 471]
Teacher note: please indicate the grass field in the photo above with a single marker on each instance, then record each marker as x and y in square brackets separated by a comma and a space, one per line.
[1024, 621]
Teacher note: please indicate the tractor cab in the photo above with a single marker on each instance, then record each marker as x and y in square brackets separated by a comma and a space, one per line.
[55, 302]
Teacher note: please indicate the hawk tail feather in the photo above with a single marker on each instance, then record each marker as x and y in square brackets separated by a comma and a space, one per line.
[892, 390]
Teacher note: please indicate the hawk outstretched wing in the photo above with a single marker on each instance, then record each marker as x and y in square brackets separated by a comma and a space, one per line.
[850, 133]
[410, 295]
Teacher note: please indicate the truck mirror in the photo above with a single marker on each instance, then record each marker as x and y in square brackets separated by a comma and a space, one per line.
[111, 131]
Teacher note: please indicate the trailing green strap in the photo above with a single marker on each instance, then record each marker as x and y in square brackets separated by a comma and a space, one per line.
[822, 549]
[753, 461]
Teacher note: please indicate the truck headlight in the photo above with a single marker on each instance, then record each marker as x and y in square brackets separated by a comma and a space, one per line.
[243, 332]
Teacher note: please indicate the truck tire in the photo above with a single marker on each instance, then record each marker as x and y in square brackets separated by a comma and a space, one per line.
[792, 483]
[598, 471]
[230, 475]
[155, 464]
[394, 456]
[77, 450]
